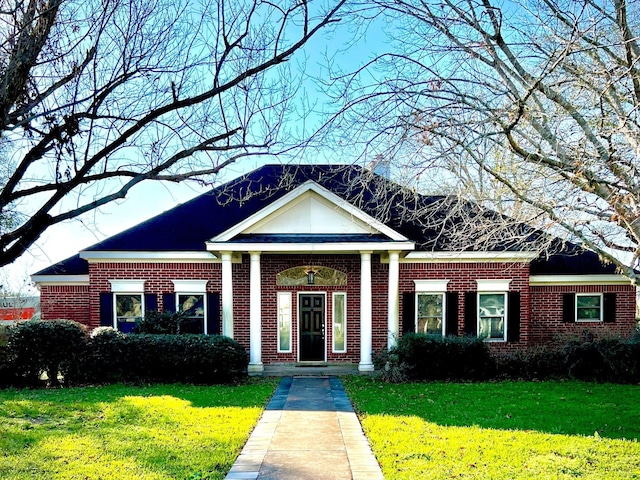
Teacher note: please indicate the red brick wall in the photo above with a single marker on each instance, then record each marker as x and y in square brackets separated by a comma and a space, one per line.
[541, 305]
[273, 264]
[157, 276]
[463, 278]
[68, 302]
[546, 307]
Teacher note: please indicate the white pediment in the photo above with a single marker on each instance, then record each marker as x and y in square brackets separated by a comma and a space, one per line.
[310, 209]
[310, 214]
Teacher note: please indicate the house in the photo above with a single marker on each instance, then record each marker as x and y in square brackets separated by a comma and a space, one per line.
[331, 264]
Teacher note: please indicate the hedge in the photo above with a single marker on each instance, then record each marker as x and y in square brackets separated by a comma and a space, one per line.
[64, 351]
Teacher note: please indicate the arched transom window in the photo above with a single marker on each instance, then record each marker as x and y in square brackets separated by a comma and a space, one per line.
[323, 276]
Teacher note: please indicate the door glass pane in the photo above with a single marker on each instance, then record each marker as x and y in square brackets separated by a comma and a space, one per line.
[284, 322]
[430, 313]
[339, 320]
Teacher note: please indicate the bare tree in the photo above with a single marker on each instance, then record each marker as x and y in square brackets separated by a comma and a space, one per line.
[98, 96]
[526, 106]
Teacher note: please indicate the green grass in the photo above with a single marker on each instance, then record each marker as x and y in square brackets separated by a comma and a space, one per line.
[508, 430]
[126, 432]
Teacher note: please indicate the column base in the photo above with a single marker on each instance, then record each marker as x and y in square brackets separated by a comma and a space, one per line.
[365, 367]
[255, 369]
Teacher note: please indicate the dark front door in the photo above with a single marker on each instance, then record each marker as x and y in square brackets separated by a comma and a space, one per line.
[311, 328]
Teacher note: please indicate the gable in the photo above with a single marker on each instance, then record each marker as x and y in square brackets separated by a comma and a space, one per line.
[310, 213]
[309, 209]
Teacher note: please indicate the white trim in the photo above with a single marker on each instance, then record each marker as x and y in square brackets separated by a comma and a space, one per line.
[189, 286]
[585, 294]
[333, 247]
[560, 280]
[137, 256]
[333, 322]
[309, 185]
[299, 305]
[431, 286]
[286, 295]
[463, 257]
[62, 280]
[493, 285]
[127, 286]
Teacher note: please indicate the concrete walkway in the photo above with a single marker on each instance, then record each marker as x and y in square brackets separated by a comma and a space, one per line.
[308, 431]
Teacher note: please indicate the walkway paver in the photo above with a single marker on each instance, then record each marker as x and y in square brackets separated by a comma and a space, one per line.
[308, 431]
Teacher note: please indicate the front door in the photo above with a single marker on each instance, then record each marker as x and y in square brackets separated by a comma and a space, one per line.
[311, 328]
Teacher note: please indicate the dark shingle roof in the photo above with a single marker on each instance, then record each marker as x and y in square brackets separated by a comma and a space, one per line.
[430, 221]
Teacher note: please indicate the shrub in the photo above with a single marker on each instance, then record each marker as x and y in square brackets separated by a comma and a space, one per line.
[161, 323]
[602, 360]
[204, 359]
[53, 347]
[540, 362]
[8, 375]
[431, 357]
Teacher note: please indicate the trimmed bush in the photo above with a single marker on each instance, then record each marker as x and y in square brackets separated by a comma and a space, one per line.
[540, 362]
[142, 358]
[161, 323]
[54, 347]
[431, 357]
[603, 360]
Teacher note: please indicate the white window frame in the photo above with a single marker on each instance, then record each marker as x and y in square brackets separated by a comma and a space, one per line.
[126, 287]
[289, 302]
[333, 323]
[444, 310]
[431, 287]
[192, 287]
[588, 320]
[505, 318]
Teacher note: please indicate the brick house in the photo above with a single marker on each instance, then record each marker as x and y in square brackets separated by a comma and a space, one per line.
[331, 264]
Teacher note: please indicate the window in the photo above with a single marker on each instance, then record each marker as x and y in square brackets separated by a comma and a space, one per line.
[430, 313]
[430, 306]
[284, 322]
[193, 306]
[191, 300]
[128, 303]
[129, 310]
[339, 322]
[492, 309]
[588, 307]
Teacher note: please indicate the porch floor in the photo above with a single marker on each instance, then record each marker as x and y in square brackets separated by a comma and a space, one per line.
[306, 369]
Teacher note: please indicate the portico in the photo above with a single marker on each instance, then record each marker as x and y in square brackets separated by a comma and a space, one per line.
[310, 222]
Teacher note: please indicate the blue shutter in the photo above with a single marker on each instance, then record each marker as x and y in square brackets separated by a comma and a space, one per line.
[408, 312]
[451, 325]
[513, 317]
[106, 309]
[150, 302]
[168, 302]
[471, 314]
[569, 307]
[213, 313]
[609, 307]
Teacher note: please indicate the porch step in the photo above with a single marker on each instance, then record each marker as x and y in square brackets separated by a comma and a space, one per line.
[310, 369]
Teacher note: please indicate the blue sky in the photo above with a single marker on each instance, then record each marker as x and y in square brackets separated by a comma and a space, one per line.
[152, 198]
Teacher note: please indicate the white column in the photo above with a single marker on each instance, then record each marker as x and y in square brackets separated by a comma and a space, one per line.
[255, 316]
[366, 308]
[393, 301]
[227, 295]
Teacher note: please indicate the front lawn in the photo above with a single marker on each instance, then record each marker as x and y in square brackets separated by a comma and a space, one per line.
[508, 430]
[126, 432]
